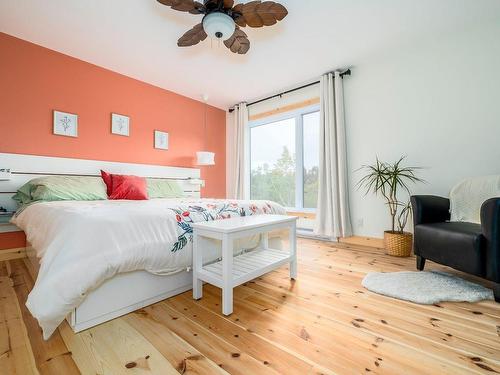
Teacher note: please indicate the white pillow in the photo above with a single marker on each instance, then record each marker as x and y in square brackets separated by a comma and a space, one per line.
[467, 197]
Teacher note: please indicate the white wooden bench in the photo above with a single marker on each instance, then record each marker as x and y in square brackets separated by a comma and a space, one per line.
[232, 271]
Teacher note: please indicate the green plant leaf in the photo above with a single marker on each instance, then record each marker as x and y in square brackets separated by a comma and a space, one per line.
[387, 179]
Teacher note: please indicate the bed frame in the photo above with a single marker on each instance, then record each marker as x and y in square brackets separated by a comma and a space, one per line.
[109, 300]
[26, 167]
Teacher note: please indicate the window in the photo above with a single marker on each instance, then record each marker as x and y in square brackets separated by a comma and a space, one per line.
[273, 162]
[284, 159]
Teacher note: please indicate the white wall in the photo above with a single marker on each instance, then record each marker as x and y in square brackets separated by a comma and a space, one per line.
[436, 101]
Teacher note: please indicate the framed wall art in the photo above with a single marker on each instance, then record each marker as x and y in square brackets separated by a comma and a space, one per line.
[65, 124]
[161, 140]
[120, 124]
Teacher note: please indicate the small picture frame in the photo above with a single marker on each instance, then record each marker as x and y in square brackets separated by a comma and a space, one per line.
[65, 124]
[161, 140]
[120, 124]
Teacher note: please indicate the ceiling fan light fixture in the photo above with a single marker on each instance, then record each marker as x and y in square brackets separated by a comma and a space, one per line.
[218, 25]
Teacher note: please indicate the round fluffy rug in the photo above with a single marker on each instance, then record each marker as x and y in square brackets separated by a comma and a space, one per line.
[425, 287]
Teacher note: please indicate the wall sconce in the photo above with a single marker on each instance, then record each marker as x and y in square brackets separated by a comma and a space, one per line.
[205, 158]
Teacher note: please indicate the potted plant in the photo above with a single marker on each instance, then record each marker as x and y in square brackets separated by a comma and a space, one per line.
[387, 180]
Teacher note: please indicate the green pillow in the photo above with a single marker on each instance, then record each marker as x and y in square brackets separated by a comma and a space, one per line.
[23, 194]
[59, 188]
[162, 188]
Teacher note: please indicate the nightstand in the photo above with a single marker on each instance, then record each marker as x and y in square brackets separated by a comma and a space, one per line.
[12, 243]
[5, 215]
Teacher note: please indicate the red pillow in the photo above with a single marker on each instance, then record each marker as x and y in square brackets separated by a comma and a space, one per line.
[128, 187]
[106, 177]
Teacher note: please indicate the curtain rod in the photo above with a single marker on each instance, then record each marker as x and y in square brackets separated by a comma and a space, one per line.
[346, 73]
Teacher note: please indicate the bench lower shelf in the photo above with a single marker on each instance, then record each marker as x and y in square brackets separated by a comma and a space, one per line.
[246, 266]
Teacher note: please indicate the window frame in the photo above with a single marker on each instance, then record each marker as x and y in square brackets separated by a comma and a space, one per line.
[297, 114]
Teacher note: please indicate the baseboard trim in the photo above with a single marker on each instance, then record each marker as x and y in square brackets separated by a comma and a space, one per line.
[374, 242]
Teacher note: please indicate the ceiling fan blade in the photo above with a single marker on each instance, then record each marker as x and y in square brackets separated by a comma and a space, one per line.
[190, 6]
[238, 42]
[192, 37]
[259, 13]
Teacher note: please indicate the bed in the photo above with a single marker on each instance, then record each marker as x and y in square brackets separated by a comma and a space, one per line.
[97, 260]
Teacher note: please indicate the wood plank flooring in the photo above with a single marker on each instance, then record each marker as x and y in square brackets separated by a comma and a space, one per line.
[323, 323]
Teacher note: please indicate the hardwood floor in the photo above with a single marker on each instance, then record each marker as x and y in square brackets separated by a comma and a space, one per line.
[323, 323]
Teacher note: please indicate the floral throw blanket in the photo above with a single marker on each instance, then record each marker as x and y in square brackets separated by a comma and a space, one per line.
[216, 210]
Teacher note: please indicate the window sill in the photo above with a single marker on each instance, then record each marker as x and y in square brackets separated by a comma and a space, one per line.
[302, 214]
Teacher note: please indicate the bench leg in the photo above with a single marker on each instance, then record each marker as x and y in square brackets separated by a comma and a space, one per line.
[264, 240]
[227, 301]
[292, 239]
[197, 265]
[227, 275]
[197, 288]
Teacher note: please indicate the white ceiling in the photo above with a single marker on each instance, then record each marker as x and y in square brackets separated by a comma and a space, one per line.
[138, 38]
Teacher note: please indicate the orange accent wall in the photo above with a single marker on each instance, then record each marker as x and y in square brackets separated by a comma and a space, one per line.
[35, 80]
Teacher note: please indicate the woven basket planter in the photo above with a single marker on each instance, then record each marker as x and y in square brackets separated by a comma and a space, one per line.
[398, 244]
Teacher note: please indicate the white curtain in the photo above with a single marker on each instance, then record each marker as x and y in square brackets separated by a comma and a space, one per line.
[236, 152]
[332, 216]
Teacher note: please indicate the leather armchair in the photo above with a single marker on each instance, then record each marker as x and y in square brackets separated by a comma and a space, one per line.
[468, 247]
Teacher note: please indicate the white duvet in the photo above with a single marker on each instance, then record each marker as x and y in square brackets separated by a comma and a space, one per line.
[82, 244]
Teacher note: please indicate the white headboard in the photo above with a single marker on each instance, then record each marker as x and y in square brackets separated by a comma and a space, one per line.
[27, 167]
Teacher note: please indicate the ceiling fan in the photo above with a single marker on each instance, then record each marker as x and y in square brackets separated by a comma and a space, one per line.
[222, 20]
